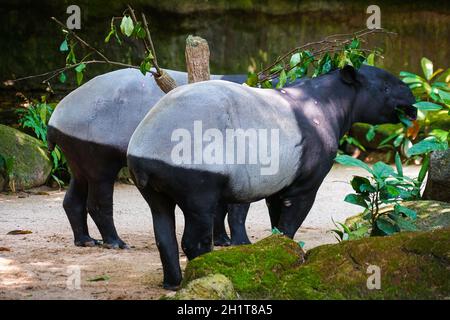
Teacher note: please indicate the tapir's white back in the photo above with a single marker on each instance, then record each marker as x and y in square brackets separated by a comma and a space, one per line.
[223, 105]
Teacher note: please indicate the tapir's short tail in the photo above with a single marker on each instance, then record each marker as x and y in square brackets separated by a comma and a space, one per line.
[50, 146]
[139, 176]
[50, 139]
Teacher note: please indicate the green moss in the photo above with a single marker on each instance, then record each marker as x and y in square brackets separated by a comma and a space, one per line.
[254, 270]
[31, 165]
[413, 266]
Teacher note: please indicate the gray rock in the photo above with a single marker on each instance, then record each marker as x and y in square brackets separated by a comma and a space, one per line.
[31, 164]
[211, 287]
[438, 184]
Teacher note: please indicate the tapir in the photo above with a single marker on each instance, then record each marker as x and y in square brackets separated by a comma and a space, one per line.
[93, 125]
[181, 153]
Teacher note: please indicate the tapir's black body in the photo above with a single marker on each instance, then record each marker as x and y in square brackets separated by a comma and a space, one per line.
[93, 126]
[311, 117]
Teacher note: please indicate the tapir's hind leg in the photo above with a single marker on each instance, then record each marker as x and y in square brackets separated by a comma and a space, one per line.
[100, 207]
[163, 213]
[199, 211]
[237, 214]
[75, 206]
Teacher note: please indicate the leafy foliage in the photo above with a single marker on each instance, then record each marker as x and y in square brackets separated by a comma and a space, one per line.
[36, 118]
[384, 186]
[304, 63]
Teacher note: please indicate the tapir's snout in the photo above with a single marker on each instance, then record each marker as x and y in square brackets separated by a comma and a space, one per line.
[409, 111]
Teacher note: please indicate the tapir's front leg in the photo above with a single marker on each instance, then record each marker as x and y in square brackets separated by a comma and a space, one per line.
[294, 210]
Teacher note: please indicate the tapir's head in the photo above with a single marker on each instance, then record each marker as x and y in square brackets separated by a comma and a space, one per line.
[380, 96]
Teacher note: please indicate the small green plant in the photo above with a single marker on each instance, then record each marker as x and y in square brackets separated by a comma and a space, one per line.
[36, 118]
[7, 170]
[384, 186]
[354, 232]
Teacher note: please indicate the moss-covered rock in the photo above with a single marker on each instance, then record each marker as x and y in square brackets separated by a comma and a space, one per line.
[31, 165]
[211, 287]
[413, 266]
[430, 214]
[255, 270]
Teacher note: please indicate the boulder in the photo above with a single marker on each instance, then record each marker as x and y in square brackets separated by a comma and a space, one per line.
[430, 214]
[31, 164]
[438, 182]
[254, 270]
[211, 287]
[412, 266]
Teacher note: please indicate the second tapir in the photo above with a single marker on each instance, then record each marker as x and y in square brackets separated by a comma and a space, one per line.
[181, 153]
[93, 125]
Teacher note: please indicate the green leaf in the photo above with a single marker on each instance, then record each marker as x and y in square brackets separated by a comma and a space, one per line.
[371, 59]
[295, 60]
[382, 170]
[108, 37]
[99, 278]
[398, 164]
[423, 169]
[445, 96]
[282, 79]
[427, 106]
[389, 138]
[370, 135]
[145, 67]
[62, 77]
[79, 78]
[276, 231]
[138, 31]
[427, 145]
[406, 211]
[427, 68]
[440, 134]
[410, 80]
[386, 226]
[357, 182]
[356, 199]
[64, 46]
[393, 191]
[350, 161]
[80, 67]
[127, 26]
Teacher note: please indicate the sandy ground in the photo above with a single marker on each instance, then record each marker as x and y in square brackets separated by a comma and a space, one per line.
[46, 265]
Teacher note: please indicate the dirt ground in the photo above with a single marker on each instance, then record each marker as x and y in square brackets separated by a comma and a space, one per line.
[45, 264]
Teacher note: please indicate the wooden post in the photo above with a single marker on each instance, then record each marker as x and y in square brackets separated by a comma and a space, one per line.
[197, 59]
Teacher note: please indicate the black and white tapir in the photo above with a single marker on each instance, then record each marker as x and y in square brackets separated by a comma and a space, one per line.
[186, 150]
[93, 125]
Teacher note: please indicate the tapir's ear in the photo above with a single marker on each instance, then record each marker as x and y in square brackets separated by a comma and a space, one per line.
[348, 74]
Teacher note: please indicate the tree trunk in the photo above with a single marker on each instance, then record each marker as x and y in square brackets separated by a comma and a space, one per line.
[438, 183]
[197, 59]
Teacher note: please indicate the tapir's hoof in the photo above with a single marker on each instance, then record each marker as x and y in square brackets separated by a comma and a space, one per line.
[239, 242]
[115, 244]
[222, 241]
[87, 242]
[171, 287]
